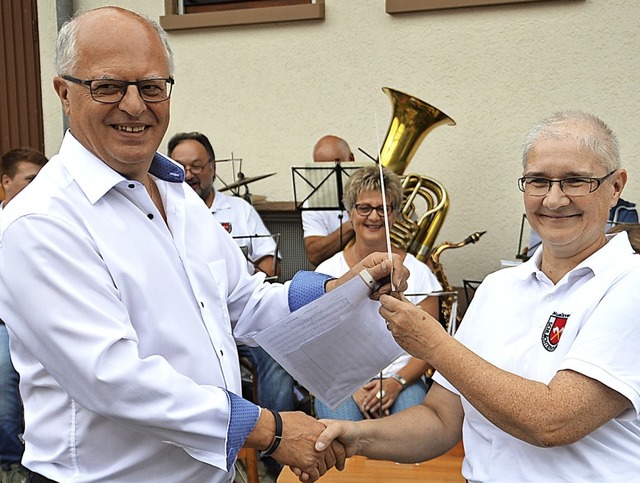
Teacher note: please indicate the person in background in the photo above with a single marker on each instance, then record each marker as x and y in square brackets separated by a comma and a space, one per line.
[124, 298]
[326, 232]
[401, 384]
[541, 380]
[18, 168]
[194, 152]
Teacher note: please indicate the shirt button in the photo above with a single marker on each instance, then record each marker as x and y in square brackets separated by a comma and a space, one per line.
[132, 186]
[221, 352]
[549, 298]
[202, 304]
[150, 216]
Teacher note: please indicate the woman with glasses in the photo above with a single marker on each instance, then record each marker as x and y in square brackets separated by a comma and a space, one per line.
[402, 383]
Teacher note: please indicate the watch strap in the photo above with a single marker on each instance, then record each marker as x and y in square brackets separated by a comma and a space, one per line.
[399, 378]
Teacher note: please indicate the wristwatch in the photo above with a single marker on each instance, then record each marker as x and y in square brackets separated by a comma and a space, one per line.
[399, 378]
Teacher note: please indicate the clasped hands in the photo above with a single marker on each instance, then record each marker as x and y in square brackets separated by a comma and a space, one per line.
[298, 447]
[376, 397]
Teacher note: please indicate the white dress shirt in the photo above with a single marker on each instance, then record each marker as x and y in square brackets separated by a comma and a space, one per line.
[121, 325]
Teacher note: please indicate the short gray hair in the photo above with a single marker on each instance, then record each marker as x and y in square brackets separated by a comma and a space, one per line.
[66, 44]
[368, 179]
[588, 130]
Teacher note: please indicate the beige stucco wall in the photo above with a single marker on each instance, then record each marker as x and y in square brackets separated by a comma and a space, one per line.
[266, 93]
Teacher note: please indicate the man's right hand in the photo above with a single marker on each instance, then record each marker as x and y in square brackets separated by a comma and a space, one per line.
[380, 268]
[341, 433]
[298, 444]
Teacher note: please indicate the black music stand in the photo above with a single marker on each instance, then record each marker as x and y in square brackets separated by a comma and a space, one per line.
[320, 188]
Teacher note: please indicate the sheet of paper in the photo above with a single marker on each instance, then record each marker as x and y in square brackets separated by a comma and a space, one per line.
[333, 345]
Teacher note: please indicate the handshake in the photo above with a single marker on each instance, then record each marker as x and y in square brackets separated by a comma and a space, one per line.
[291, 438]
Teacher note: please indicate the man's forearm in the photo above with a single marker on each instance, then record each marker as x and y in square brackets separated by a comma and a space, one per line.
[320, 248]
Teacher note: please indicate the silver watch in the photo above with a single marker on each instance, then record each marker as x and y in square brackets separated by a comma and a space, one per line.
[399, 378]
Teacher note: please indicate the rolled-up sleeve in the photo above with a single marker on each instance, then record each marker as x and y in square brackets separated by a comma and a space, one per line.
[306, 287]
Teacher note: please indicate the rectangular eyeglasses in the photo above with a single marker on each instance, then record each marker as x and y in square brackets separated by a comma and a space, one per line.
[366, 209]
[576, 186]
[112, 91]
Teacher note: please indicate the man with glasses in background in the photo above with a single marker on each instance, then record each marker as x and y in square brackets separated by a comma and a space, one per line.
[124, 298]
[194, 152]
[541, 381]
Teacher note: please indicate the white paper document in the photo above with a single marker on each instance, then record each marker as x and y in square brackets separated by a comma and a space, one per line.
[333, 345]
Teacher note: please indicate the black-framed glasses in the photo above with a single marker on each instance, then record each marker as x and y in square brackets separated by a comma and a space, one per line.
[112, 91]
[576, 186]
[364, 209]
[198, 168]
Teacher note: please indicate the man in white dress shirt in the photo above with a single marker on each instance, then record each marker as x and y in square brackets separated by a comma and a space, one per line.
[124, 298]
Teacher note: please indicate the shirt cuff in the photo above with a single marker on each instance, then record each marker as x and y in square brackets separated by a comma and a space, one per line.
[305, 287]
[244, 416]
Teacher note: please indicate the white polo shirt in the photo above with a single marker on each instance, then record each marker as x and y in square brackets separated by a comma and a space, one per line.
[322, 223]
[244, 224]
[589, 322]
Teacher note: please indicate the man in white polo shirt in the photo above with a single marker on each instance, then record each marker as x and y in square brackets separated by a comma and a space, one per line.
[542, 380]
[326, 232]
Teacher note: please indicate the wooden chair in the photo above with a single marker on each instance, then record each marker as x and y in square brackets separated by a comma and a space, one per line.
[249, 458]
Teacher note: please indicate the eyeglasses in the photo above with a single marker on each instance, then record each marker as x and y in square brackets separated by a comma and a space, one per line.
[197, 168]
[578, 186]
[366, 209]
[112, 91]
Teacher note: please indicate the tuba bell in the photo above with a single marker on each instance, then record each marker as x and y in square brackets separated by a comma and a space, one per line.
[426, 200]
[412, 120]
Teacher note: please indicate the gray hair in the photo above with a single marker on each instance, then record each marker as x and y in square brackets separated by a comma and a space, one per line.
[586, 129]
[67, 50]
[368, 179]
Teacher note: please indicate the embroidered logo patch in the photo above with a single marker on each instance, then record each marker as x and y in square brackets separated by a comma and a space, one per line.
[553, 331]
[227, 226]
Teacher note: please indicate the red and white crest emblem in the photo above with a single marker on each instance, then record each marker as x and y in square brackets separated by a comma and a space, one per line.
[226, 225]
[553, 331]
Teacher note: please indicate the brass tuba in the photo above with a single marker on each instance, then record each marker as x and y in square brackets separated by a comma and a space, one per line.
[426, 200]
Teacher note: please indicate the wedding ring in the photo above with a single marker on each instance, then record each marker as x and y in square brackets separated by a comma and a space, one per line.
[381, 394]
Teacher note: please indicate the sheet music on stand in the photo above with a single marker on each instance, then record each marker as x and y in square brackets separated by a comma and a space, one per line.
[317, 187]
